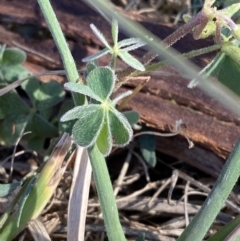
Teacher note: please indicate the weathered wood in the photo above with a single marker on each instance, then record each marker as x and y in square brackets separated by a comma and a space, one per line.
[162, 101]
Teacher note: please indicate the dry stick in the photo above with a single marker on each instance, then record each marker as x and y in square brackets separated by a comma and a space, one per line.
[185, 203]
[15, 149]
[149, 186]
[32, 51]
[135, 91]
[201, 186]
[204, 188]
[174, 179]
[123, 173]
[157, 193]
[145, 167]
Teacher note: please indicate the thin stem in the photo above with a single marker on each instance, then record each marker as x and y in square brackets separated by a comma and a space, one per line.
[229, 175]
[100, 172]
[106, 195]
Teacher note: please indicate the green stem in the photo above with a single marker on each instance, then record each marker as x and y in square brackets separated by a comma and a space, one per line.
[106, 195]
[63, 48]
[100, 172]
[200, 224]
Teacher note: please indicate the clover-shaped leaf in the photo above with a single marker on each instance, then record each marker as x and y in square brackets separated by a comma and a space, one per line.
[100, 122]
[120, 48]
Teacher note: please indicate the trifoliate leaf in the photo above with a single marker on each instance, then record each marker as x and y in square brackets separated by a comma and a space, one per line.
[87, 128]
[100, 35]
[101, 81]
[104, 140]
[82, 89]
[121, 130]
[131, 61]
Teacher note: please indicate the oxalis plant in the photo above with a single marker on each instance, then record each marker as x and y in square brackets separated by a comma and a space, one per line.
[99, 125]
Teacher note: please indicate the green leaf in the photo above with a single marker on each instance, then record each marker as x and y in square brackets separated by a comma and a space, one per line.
[31, 87]
[223, 233]
[121, 130]
[40, 127]
[115, 32]
[212, 69]
[147, 144]
[91, 66]
[141, 237]
[104, 140]
[49, 94]
[97, 55]
[134, 46]
[11, 103]
[47, 113]
[36, 143]
[132, 116]
[87, 128]
[100, 35]
[229, 74]
[77, 112]
[232, 51]
[129, 41]
[67, 125]
[13, 73]
[231, 10]
[13, 56]
[131, 61]
[82, 89]
[101, 81]
[13, 127]
[24, 197]
[6, 189]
